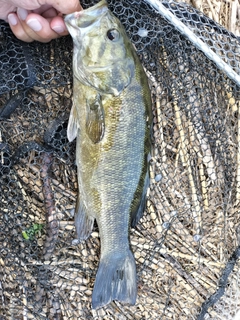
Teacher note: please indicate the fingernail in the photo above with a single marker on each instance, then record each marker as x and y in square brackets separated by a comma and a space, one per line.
[22, 13]
[58, 29]
[12, 19]
[34, 24]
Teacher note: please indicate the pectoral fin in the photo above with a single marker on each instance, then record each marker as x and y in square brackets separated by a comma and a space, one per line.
[73, 126]
[95, 124]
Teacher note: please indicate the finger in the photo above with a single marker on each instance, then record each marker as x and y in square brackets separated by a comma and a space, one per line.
[64, 7]
[33, 28]
[29, 27]
[44, 30]
[5, 9]
[58, 25]
[49, 13]
[43, 9]
[38, 28]
[17, 28]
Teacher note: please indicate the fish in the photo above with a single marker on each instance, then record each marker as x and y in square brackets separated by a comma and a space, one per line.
[111, 118]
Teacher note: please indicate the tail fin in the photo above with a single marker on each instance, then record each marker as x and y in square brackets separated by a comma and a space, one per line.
[115, 280]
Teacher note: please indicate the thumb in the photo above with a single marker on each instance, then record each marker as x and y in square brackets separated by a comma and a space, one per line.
[63, 6]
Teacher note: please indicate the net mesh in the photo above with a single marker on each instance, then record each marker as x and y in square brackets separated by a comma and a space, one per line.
[186, 245]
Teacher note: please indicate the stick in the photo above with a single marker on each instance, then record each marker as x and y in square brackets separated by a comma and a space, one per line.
[178, 268]
[155, 84]
[215, 17]
[200, 132]
[203, 183]
[51, 216]
[52, 223]
[160, 127]
[2, 159]
[25, 312]
[184, 153]
[233, 16]
[186, 162]
[223, 281]
[238, 159]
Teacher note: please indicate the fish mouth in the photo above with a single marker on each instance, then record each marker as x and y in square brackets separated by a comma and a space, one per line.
[86, 18]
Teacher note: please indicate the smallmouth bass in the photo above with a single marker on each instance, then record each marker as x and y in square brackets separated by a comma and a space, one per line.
[111, 118]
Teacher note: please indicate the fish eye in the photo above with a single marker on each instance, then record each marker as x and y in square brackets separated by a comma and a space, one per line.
[113, 35]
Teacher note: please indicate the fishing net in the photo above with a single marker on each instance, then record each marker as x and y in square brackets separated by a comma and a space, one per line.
[186, 245]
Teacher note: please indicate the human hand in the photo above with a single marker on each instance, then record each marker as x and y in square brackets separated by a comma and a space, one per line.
[40, 20]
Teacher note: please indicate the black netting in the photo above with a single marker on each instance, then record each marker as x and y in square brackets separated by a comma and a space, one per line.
[186, 245]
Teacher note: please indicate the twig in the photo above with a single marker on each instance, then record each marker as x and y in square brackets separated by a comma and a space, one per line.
[200, 131]
[222, 284]
[25, 312]
[156, 87]
[194, 258]
[238, 159]
[178, 268]
[160, 127]
[183, 150]
[215, 17]
[233, 16]
[203, 183]
[186, 163]
[51, 215]
[2, 294]
[52, 228]
[2, 159]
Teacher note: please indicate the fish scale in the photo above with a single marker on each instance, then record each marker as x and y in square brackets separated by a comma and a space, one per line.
[111, 117]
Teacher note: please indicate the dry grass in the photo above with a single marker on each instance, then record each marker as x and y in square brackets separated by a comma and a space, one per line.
[226, 13]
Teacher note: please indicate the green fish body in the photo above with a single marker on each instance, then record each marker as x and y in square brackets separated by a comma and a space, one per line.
[111, 117]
